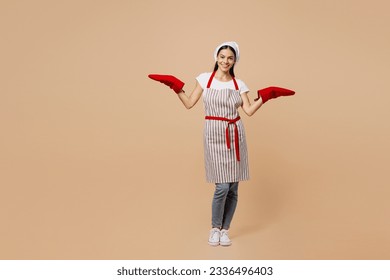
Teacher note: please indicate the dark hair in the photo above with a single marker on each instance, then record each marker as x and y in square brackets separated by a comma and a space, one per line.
[231, 70]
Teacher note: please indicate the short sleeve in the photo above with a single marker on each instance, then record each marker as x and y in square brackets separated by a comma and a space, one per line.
[203, 79]
[242, 86]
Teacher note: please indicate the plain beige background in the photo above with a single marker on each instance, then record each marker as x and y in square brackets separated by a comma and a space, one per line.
[99, 162]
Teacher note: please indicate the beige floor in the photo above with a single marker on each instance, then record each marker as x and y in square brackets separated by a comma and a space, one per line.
[102, 215]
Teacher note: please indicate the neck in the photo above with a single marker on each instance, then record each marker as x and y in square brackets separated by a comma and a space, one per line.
[222, 75]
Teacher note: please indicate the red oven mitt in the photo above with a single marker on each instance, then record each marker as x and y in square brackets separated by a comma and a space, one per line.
[273, 92]
[169, 80]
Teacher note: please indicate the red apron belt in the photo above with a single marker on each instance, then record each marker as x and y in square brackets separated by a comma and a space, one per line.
[236, 140]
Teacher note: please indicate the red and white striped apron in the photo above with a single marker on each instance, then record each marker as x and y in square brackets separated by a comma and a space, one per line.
[225, 149]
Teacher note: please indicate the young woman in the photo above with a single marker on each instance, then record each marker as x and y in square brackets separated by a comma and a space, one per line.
[225, 149]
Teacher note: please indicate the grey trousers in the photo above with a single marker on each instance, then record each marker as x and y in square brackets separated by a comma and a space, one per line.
[224, 204]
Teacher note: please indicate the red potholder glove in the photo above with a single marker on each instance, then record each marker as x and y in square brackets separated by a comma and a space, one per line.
[169, 80]
[273, 92]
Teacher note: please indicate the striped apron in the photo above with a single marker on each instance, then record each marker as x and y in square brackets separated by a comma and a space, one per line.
[225, 149]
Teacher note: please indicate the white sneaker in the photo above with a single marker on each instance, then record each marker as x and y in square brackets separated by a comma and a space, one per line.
[224, 240]
[214, 237]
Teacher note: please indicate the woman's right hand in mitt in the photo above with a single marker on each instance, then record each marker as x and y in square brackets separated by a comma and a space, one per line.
[169, 80]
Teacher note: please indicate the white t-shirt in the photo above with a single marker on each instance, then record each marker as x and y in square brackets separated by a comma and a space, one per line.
[203, 79]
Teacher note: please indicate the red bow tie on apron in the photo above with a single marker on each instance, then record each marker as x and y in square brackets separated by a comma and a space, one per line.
[230, 121]
[236, 142]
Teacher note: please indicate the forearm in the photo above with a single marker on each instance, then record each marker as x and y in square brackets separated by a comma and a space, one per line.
[186, 100]
[190, 101]
[250, 109]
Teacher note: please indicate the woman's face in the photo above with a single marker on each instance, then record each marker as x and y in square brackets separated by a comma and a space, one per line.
[225, 60]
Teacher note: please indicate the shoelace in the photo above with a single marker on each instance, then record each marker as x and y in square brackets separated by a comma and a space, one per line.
[214, 232]
[224, 233]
